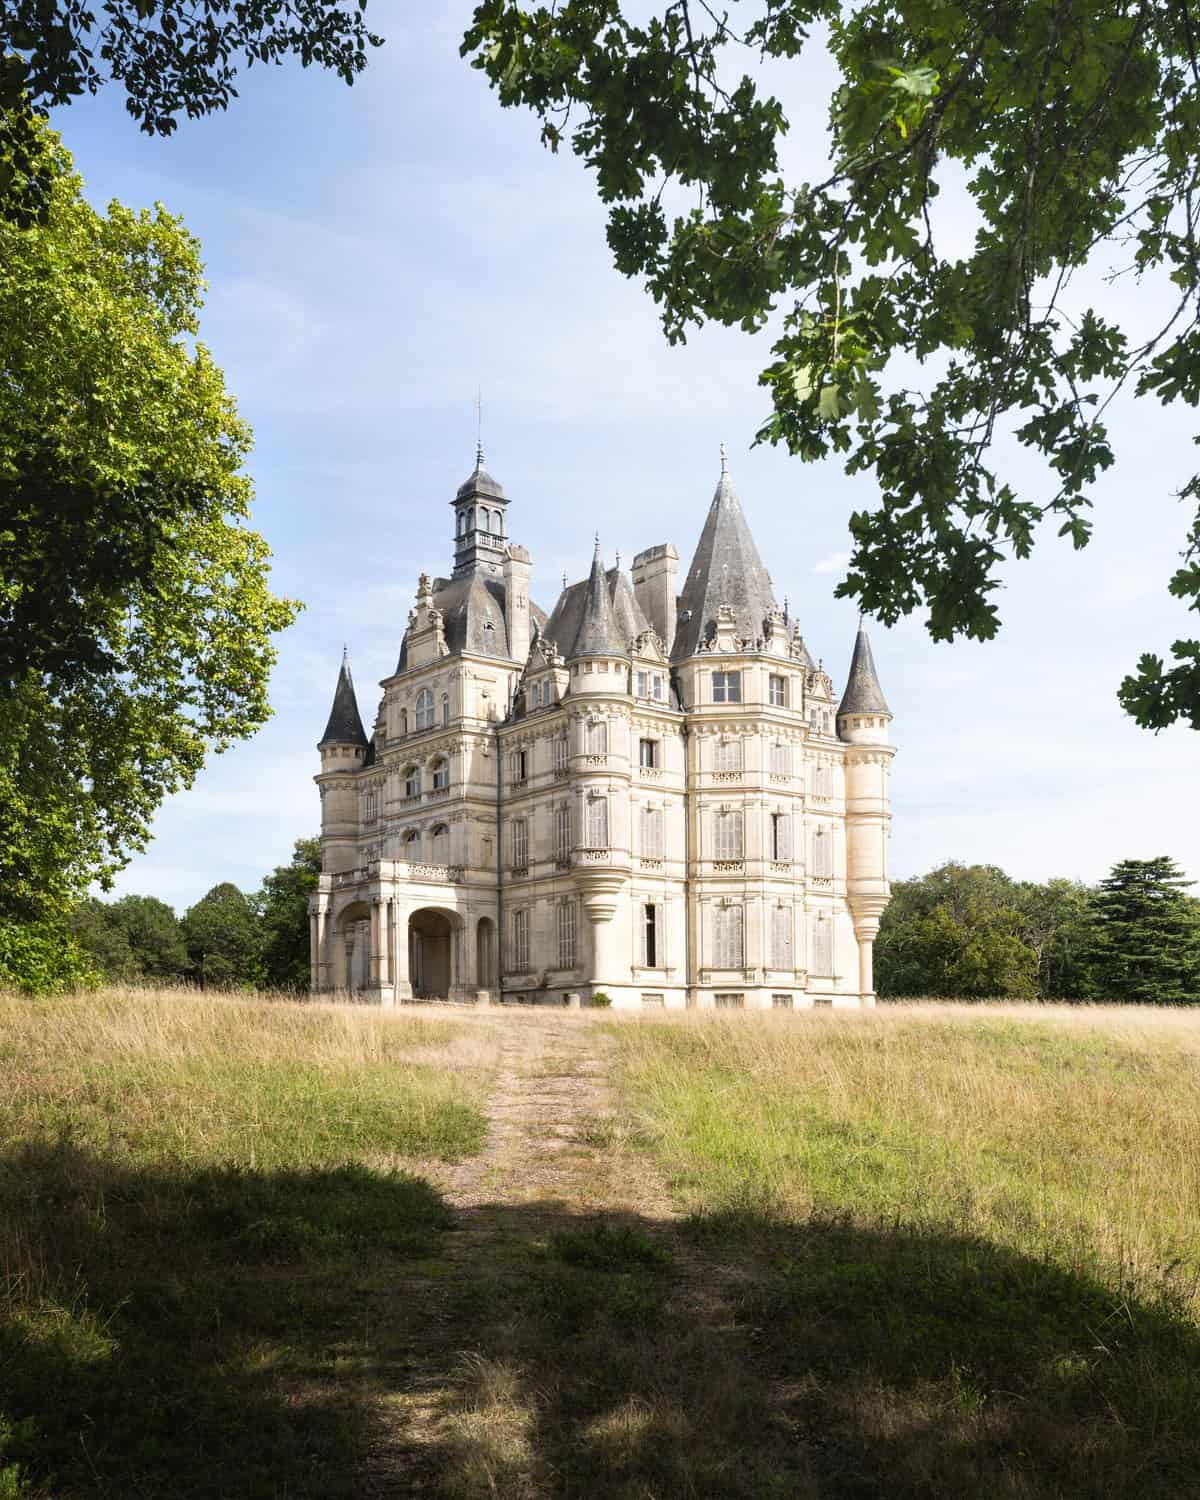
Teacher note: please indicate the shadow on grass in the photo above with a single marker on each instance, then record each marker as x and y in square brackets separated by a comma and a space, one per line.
[237, 1334]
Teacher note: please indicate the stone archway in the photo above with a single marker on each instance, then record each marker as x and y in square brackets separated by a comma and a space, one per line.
[351, 956]
[485, 954]
[431, 956]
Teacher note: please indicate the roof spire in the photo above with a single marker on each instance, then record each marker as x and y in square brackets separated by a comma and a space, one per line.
[598, 633]
[345, 726]
[863, 694]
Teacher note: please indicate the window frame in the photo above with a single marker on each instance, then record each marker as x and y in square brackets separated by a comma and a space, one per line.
[424, 710]
[777, 690]
[727, 687]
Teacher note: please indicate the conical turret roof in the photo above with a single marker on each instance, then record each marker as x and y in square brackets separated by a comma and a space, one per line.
[863, 694]
[726, 570]
[345, 725]
[599, 634]
[479, 482]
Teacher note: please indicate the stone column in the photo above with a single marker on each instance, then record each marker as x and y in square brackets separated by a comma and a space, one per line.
[314, 952]
[401, 983]
[381, 928]
[339, 959]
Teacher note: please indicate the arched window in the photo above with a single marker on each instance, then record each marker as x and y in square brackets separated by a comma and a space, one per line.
[412, 782]
[439, 845]
[425, 709]
[412, 846]
[404, 721]
[445, 710]
[441, 775]
[462, 522]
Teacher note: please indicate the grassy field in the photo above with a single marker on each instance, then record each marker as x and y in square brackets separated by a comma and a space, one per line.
[197, 1199]
[967, 1241]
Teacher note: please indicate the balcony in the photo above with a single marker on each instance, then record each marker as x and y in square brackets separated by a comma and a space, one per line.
[728, 866]
[649, 862]
[650, 773]
[726, 776]
[593, 856]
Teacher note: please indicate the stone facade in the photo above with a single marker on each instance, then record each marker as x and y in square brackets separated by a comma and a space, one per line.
[651, 792]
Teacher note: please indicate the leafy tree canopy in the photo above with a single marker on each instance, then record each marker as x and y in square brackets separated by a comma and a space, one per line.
[1071, 125]
[171, 57]
[223, 937]
[135, 614]
[283, 903]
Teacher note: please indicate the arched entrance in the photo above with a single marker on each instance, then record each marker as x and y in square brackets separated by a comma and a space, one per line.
[430, 954]
[350, 961]
[485, 954]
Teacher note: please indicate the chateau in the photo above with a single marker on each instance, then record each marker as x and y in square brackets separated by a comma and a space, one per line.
[652, 792]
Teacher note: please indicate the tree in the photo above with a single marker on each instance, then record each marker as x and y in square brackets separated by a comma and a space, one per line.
[170, 56]
[1146, 934]
[154, 936]
[223, 937]
[1072, 126]
[1055, 923]
[135, 614]
[955, 932]
[104, 941]
[283, 903]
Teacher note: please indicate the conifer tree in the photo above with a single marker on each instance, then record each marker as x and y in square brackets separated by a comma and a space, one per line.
[1146, 934]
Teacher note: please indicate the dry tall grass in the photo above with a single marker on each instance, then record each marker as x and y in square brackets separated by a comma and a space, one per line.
[1065, 1131]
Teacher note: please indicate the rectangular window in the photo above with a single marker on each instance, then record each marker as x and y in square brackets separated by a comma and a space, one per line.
[560, 753]
[727, 755]
[520, 766]
[650, 935]
[566, 935]
[520, 940]
[725, 1001]
[597, 737]
[656, 1000]
[562, 832]
[656, 687]
[822, 853]
[652, 833]
[727, 687]
[727, 843]
[781, 836]
[822, 948]
[520, 843]
[597, 823]
[777, 690]
[781, 1002]
[648, 753]
[643, 684]
[781, 937]
[727, 937]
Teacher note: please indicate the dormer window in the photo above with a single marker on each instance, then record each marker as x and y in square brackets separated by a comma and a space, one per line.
[424, 709]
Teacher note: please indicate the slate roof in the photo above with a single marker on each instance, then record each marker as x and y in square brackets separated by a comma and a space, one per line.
[479, 482]
[863, 694]
[469, 605]
[567, 617]
[345, 726]
[725, 570]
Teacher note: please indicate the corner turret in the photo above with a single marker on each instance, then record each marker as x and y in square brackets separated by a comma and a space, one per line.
[598, 632]
[863, 715]
[344, 739]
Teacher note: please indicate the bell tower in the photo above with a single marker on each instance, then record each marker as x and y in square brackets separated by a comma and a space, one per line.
[480, 523]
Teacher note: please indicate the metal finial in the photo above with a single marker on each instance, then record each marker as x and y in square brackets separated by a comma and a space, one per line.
[564, 579]
[345, 653]
[479, 426]
[618, 562]
[724, 460]
[597, 544]
[786, 616]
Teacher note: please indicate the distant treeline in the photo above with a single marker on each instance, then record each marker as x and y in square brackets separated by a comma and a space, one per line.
[971, 932]
[228, 939]
[961, 932]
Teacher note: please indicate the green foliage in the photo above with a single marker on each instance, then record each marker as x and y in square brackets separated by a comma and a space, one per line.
[183, 63]
[283, 904]
[135, 616]
[137, 937]
[955, 932]
[223, 937]
[42, 958]
[1074, 129]
[1146, 934]
[601, 998]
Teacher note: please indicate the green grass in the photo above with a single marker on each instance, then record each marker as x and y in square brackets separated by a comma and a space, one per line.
[205, 1209]
[968, 1247]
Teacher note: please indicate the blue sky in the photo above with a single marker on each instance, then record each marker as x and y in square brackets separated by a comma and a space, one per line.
[374, 254]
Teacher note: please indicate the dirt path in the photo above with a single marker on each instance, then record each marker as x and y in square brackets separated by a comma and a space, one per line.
[553, 1158]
